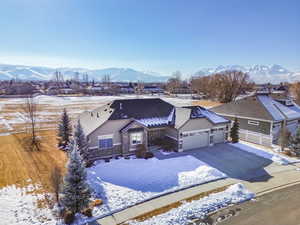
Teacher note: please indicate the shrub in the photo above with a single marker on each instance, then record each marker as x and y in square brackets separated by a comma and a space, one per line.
[148, 155]
[140, 151]
[168, 146]
[158, 141]
[88, 212]
[69, 217]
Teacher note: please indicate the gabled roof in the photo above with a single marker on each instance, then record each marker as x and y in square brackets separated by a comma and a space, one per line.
[260, 106]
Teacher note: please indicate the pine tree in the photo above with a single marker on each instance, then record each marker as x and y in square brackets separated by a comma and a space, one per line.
[76, 191]
[284, 138]
[234, 132]
[64, 130]
[80, 139]
[295, 142]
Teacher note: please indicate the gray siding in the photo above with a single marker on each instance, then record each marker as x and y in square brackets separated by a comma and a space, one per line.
[109, 127]
[263, 127]
[196, 124]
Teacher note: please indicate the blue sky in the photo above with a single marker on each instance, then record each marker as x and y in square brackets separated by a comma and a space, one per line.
[150, 35]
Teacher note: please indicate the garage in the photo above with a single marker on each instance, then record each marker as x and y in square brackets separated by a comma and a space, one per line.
[192, 140]
[219, 135]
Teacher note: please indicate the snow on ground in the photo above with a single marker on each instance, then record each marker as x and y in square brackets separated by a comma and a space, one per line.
[19, 206]
[262, 152]
[127, 182]
[234, 194]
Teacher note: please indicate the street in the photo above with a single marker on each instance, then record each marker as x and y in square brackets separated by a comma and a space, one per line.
[280, 207]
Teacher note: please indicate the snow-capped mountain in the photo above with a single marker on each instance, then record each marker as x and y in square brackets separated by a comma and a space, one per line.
[258, 73]
[8, 72]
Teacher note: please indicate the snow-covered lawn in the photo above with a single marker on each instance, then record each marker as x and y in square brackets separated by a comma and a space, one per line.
[127, 182]
[20, 206]
[234, 194]
[268, 154]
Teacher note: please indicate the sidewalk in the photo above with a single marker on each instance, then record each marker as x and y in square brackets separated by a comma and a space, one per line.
[281, 175]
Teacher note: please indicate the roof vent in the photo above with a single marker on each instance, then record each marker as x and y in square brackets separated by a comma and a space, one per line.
[120, 106]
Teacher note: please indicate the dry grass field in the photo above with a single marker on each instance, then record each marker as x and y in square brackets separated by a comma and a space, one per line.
[21, 166]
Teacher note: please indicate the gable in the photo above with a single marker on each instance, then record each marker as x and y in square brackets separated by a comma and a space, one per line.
[196, 124]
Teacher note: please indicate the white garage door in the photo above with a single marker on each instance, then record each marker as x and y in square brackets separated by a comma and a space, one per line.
[194, 140]
[219, 136]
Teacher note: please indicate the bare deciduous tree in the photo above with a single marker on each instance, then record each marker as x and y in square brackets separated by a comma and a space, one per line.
[30, 109]
[225, 86]
[295, 91]
[56, 182]
[174, 82]
[106, 80]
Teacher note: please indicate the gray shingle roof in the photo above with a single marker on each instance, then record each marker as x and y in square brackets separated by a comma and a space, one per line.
[259, 106]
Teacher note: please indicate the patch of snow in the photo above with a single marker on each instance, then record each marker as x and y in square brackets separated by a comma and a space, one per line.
[198, 175]
[275, 157]
[123, 183]
[19, 206]
[213, 116]
[156, 121]
[234, 194]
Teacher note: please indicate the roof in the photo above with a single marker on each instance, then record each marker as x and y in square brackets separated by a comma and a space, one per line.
[182, 115]
[148, 112]
[140, 108]
[91, 120]
[201, 112]
[260, 106]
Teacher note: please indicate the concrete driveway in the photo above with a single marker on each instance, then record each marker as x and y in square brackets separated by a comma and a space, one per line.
[230, 160]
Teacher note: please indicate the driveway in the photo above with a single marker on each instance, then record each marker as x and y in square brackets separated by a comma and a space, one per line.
[230, 160]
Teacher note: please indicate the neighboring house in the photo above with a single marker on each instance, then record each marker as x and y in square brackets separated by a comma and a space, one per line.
[118, 127]
[261, 117]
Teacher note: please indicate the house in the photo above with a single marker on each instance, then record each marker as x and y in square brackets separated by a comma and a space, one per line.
[118, 127]
[261, 117]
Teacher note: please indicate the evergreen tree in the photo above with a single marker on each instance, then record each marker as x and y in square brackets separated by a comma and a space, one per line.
[234, 132]
[80, 139]
[64, 130]
[284, 138]
[295, 142]
[76, 191]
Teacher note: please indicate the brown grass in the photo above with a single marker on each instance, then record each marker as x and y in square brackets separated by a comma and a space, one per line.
[18, 165]
[167, 208]
[206, 103]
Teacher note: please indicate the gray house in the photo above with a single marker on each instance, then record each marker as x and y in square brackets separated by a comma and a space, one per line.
[118, 127]
[261, 117]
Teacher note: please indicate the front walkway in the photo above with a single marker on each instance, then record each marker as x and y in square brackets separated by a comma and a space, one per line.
[278, 177]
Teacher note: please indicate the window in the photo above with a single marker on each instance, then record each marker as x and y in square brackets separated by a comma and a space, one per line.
[105, 143]
[136, 138]
[252, 122]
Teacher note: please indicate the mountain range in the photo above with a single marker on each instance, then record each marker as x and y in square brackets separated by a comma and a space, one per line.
[258, 73]
[8, 72]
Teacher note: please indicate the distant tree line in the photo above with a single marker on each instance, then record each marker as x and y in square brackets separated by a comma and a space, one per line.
[224, 87]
